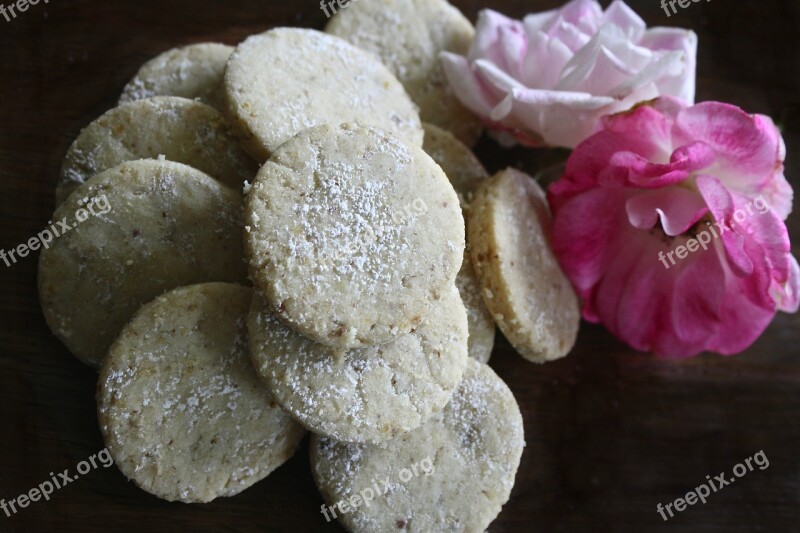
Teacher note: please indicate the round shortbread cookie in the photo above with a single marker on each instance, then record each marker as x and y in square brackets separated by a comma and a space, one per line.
[409, 36]
[368, 394]
[464, 170]
[181, 409]
[181, 130]
[481, 324]
[523, 286]
[157, 225]
[193, 71]
[453, 474]
[286, 80]
[466, 173]
[352, 234]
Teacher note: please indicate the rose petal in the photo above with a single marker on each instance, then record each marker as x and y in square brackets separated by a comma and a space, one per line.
[648, 123]
[742, 319]
[693, 156]
[745, 146]
[630, 169]
[467, 86]
[721, 204]
[577, 245]
[512, 45]
[578, 11]
[787, 295]
[695, 305]
[604, 71]
[671, 39]
[544, 61]
[590, 163]
[779, 194]
[677, 208]
[725, 292]
[643, 314]
[578, 50]
[765, 229]
[572, 36]
[622, 16]
[540, 22]
[659, 66]
[487, 32]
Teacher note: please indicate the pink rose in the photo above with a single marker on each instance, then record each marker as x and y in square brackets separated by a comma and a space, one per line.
[550, 78]
[669, 223]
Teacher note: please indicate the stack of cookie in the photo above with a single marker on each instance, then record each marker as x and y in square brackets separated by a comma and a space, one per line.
[335, 295]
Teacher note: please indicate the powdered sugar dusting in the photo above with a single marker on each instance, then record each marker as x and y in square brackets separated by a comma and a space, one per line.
[348, 231]
[366, 394]
[312, 78]
[475, 444]
[193, 71]
[350, 216]
[180, 398]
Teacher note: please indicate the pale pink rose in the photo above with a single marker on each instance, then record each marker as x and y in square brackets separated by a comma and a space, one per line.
[657, 178]
[549, 79]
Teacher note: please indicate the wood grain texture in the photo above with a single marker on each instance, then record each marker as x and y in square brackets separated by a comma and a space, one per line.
[610, 433]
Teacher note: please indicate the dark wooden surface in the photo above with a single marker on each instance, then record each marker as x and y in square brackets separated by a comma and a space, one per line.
[610, 433]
